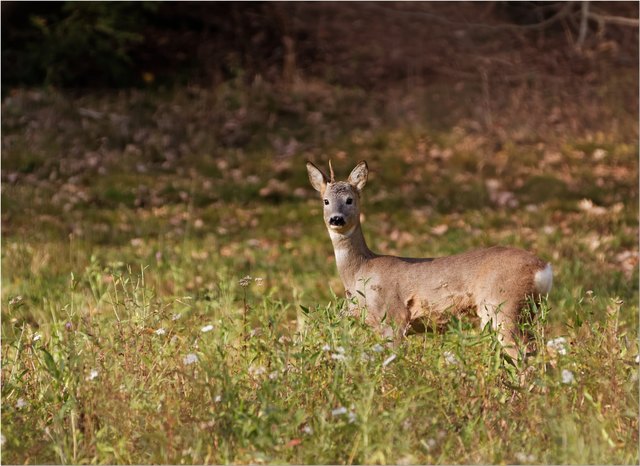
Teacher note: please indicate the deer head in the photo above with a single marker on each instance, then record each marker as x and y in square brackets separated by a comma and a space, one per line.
[341, 199]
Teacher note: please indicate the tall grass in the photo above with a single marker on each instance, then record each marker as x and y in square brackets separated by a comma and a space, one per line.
[188, 310]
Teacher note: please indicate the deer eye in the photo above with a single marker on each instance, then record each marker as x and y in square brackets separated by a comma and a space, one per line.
[326, 202]
[349, 200]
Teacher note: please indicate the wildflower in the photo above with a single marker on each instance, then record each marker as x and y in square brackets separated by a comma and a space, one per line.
[93, 373]
[36, 337]
[259, 281]
[567, 376]
[273, 375]
[429, 444]
[388, 360]
[283, 340]
[525, 458]
[340, 349]
[16, 300]
[339, 411]
[378, 348]
[326, 347]
[206, 328]
[257, 370]
[68, 326]
[450, 358]
[307, 430]
[338, 356]
[559, 345]
[176, 316]
[21, 403]
[637, 358]
[246, 281]
[352, 417]
[160, 331]
[217, 399]
[190, 359]
[207, 424]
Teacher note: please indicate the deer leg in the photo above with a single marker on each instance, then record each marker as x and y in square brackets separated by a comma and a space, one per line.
[504, 320]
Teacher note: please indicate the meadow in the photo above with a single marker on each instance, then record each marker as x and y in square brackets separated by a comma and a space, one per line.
[169, 292]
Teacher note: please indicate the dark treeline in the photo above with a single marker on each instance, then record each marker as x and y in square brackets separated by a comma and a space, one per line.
[124, 44]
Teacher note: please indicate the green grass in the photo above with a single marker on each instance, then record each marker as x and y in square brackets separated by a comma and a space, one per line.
[113, 266]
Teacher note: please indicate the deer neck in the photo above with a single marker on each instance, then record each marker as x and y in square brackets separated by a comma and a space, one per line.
[351, 253]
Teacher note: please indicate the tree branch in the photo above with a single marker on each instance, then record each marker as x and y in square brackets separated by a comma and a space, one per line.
[619, 20]
[584, 24]
[563, 12]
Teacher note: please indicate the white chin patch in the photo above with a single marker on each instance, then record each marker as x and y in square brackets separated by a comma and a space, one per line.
[340, 231]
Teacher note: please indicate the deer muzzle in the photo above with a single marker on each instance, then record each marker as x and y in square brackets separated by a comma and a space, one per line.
[337, 221]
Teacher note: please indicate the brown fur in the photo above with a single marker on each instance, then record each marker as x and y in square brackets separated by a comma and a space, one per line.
[491, 283]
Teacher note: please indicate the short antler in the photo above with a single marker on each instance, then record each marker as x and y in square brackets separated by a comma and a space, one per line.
[333, 178]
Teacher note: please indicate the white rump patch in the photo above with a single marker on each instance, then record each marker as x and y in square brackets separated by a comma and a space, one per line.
[543, 279]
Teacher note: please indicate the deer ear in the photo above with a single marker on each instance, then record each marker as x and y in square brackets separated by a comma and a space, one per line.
[358, 176]
[318, 179]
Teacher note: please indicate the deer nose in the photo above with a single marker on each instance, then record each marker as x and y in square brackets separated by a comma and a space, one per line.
[337, 220]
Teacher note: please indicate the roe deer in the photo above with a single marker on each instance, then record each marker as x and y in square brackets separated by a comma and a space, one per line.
[494, 283]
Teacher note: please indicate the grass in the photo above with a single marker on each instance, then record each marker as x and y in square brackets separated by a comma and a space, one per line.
[129, 334]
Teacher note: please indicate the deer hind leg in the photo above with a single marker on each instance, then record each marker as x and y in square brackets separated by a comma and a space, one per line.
[504, 320]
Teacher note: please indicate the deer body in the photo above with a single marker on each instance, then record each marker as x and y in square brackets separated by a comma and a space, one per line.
[492, 284]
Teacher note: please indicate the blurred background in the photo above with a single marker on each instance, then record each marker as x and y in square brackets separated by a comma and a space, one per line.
[369, 45]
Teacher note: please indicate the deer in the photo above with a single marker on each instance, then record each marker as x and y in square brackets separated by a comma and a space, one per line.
[401, 295]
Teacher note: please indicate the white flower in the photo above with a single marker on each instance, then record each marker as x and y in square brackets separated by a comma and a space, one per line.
[93, 373]
[388, 360]
[429, 444]
[189, 359]
[378, 348]
[339, 411]
[176, 316]
[160, 331]
[217, 399]
[21, 403]
[567, 376]
[36, 336]
[525, 458]
[257, 370]
[245, 281]
[206, 328]
[326, 347]
[307, 430]
[365, 357]
[338, 356]
[340, 349]
[16, 300]
[559, 345]
[352, 417]
[637, 358]
[258, 281]
[273, 375]
[450, 358]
